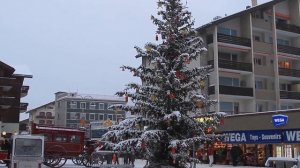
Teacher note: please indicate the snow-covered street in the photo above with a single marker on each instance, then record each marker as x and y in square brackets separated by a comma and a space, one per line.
[141, 163]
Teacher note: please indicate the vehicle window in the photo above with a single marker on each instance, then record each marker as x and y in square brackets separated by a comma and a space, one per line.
[60, 138]
[48, 137]
[74, 138]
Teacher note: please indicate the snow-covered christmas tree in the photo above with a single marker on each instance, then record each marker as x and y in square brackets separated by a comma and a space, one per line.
[172, 93]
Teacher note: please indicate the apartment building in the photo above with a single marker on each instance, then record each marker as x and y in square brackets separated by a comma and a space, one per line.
[11, 92]
[43, 115]
[75, 110]
[255, 54]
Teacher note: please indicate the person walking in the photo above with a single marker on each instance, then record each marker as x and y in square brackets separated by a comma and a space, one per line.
[210, 152]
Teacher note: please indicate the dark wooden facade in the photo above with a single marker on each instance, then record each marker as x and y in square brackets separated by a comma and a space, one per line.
[11, 92]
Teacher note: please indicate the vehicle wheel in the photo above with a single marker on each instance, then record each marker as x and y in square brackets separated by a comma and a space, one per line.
[77, 160]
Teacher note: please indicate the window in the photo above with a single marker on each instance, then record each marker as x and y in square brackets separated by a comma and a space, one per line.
[74, 116]
[73, 105]
[49, 114]
[41, 121]
[227, 31]
[283, 42]
[49, 122]
[42, 114]
[101, 117]
[259, 85]
[101, 106]
[286, 107]
[229, 107]
[48, 137]
[228, 56]
[256, 38]
[92, 116]
[74, 138]
[285, 64]
[82, 105]
[260, 60]
[110, 116]
[259, 107]
[60, 138]
[285, 87]
[228, 81]
[82, 116]
[92, 106]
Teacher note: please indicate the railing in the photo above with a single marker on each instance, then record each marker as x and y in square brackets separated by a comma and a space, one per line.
[289, 95]
[288, 49]
[239, 91]
[229, 39]
[7, 101]
[232, 90]
[289, 72]
[234, 40]
[242, 66]
[288, 27]
[7, 81]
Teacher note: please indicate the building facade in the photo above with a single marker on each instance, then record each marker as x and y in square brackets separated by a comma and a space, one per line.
[255, 56]
[77, 110]
[11, 92]
[43, 115]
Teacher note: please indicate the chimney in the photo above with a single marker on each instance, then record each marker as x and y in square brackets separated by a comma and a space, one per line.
[254, 3]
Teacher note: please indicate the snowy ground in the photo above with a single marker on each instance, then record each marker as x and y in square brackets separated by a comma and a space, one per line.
[141, 163]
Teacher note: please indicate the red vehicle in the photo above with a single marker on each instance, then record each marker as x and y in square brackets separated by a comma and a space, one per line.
[60, 144]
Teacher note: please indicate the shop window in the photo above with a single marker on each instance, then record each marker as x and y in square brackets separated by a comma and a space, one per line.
[278, 151]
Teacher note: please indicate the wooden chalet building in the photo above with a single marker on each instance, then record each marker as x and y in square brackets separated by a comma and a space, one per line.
[11, 92]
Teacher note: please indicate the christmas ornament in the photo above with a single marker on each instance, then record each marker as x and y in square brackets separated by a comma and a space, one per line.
[180, 75]
[202, 84]
[172, 95]
[199, 104]
[173, 150]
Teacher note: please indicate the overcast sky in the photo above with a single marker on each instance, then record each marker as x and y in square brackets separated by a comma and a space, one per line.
[79, 45]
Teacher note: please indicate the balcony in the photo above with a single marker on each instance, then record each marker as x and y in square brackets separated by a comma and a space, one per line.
[40, 116]
[24, 91]
[7, 81]
[7, 101]
[289, 95]
[288, 49]
[239, 91]
[240, 66]
[230, 39]
[232, 90]
[288, 27]
[289, 72]
[23, 107]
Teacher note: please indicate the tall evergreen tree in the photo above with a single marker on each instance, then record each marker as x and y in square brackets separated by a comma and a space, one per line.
[172, 93]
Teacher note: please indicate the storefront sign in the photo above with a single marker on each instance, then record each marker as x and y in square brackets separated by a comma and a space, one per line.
[262, 136]
[279, 120]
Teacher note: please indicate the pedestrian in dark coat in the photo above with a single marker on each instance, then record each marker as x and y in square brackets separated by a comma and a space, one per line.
[236, 154]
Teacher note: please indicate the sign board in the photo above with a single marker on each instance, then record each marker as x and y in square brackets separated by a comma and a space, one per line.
[262, 136]
[279, 120]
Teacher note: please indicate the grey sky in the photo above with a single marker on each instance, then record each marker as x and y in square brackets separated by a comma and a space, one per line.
[79, 45]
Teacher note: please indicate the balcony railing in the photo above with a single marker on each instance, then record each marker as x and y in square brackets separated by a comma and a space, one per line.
[232, 90]
[40, 116]
[23, 107]
[288, 49]
[7, 81]
[227, 64]
[288, 27]
[289, 72]
[7, 101]
[234, 40]
[230, 39]
[289, 95]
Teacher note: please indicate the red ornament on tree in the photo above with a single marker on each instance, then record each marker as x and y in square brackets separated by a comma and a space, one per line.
[173, 150]
[199, 104]
[172, 95]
